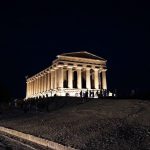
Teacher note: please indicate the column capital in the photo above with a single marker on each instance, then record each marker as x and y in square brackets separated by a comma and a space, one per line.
[60, 66]
[29, 80]
[52, 70]
[44, 72]
[87, 68]
[96, 69]
[69, 67]
[79, 68]
[99, 70]
[104, 70]
[36, 76]
[55, 68]
[47, 70]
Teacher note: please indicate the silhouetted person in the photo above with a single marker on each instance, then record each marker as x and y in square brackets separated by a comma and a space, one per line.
[96, 94]
[105, 93]
[86, 94]
[93, 94]
[90, 93]
[67, 94]
[81, 94]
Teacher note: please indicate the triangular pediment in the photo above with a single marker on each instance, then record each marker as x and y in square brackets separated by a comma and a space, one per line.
[83, 54]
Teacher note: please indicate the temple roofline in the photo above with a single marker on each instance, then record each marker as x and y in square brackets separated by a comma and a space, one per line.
[81, 52]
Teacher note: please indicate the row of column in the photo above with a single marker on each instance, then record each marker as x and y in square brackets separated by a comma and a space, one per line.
[54, 78]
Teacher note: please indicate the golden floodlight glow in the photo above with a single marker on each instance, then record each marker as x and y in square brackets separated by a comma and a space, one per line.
[71, 74]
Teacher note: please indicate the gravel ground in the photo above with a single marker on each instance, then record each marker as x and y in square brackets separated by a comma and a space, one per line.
[97, 124]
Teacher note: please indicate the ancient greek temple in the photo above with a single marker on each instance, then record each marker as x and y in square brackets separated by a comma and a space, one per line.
[71, 74]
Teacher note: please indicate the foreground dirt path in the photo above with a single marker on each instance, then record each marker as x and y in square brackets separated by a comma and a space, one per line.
[9, 143]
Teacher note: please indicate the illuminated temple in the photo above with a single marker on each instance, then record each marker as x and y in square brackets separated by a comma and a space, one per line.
[71, 74]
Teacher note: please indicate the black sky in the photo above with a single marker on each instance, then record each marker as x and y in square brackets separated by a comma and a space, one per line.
[32, 34]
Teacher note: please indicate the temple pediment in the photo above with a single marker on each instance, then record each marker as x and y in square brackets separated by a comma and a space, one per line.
[82, 54]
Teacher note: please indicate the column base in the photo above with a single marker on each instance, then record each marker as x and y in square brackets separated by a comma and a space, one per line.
[73, 92]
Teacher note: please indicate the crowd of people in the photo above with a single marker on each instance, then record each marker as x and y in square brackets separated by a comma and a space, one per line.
[93, 94]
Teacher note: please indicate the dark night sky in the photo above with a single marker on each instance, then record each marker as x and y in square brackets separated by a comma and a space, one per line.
[32, 34]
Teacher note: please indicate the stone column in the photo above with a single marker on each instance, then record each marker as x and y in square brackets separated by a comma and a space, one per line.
[70, 79]
[104, 82]
[33, 86]
[47, 83]
[79, 82]
[55, 78]
[60, 77]
[100, 82]
[37, 84]
[41, 84]
[46, 80]
[52, 79]
[43, 81]
[44, 89]
[96, 78]
[26, 89]
[88, 80]
[27, 93]
[29, 88]
[49, 76]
